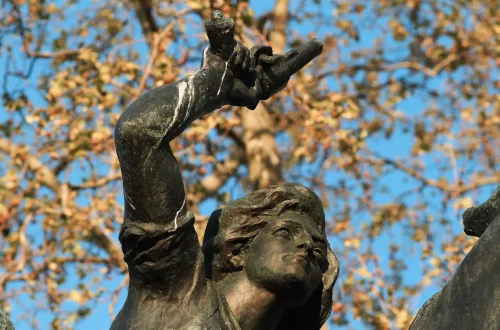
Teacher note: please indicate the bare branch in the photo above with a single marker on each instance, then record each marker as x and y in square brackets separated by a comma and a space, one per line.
[61, 53]
[431, 72]
[154, 53]
[157, 40]
[97, 183]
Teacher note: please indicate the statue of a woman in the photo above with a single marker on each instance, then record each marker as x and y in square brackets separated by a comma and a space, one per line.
[267, 263]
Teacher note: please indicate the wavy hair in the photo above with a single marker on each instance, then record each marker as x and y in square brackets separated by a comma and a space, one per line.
[230, 232]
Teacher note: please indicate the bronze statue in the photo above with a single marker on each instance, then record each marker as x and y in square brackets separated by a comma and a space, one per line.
[266, 262]
[5, 322]
[471, 298]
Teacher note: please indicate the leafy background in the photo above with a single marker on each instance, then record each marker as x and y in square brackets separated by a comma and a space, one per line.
[395, 125]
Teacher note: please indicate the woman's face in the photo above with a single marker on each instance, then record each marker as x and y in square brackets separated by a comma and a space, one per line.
[288, 257]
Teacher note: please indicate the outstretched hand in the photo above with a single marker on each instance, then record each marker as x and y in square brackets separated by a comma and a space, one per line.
[249, 68]
[245, 69]
[238, 70]
[255, 74]
[241, 60]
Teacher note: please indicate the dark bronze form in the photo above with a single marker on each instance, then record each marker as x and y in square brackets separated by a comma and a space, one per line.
[266, 262]
[5, 322]
[471, 298]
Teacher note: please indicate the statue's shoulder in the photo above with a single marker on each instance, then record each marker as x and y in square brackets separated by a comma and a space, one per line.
[470, 299]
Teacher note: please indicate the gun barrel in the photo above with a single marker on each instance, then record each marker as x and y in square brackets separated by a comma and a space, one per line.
[276, 76]
[302, 55]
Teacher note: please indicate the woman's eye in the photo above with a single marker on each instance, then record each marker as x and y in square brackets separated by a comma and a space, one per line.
[284, 232]
[318, 254]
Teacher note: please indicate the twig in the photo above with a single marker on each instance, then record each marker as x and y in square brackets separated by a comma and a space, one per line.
[96, 183]
[419, 67]
[123, 45]
[115, 295]
[158, 38]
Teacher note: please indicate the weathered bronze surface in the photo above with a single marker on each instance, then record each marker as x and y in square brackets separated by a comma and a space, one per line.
[266, 262]
[471, 298]
[5, 322]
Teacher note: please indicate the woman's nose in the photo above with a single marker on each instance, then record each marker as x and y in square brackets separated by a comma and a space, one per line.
[304, 243]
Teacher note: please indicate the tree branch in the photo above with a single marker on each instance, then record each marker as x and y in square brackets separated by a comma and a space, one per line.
[47, 178]
[431, 72]
[157, 40]
[454, 190]
[96, 183]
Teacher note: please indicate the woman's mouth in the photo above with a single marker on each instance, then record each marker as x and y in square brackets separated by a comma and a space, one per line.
[301, 258]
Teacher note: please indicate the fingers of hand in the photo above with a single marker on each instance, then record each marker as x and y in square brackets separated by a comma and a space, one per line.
[258, 50]
[232, 59]
[247, 61]
[240, 56]
[244, 96]
[265, 58]
[269, 59]
[241, 59]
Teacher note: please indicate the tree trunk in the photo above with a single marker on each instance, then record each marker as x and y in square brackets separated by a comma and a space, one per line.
[264, 160]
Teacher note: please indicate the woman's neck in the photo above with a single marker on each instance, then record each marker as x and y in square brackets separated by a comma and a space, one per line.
[253, 307]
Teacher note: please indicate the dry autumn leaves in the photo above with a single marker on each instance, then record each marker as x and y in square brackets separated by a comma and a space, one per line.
[395, 126]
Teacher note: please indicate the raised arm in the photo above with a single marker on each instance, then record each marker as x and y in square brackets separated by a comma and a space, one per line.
[153, 187]
[158, 238]
[152, 181]
[157, 235]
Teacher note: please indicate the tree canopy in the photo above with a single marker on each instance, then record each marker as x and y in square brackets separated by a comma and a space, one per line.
[395, 126]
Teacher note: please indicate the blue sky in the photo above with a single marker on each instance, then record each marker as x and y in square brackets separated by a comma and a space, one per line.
[397, 146]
